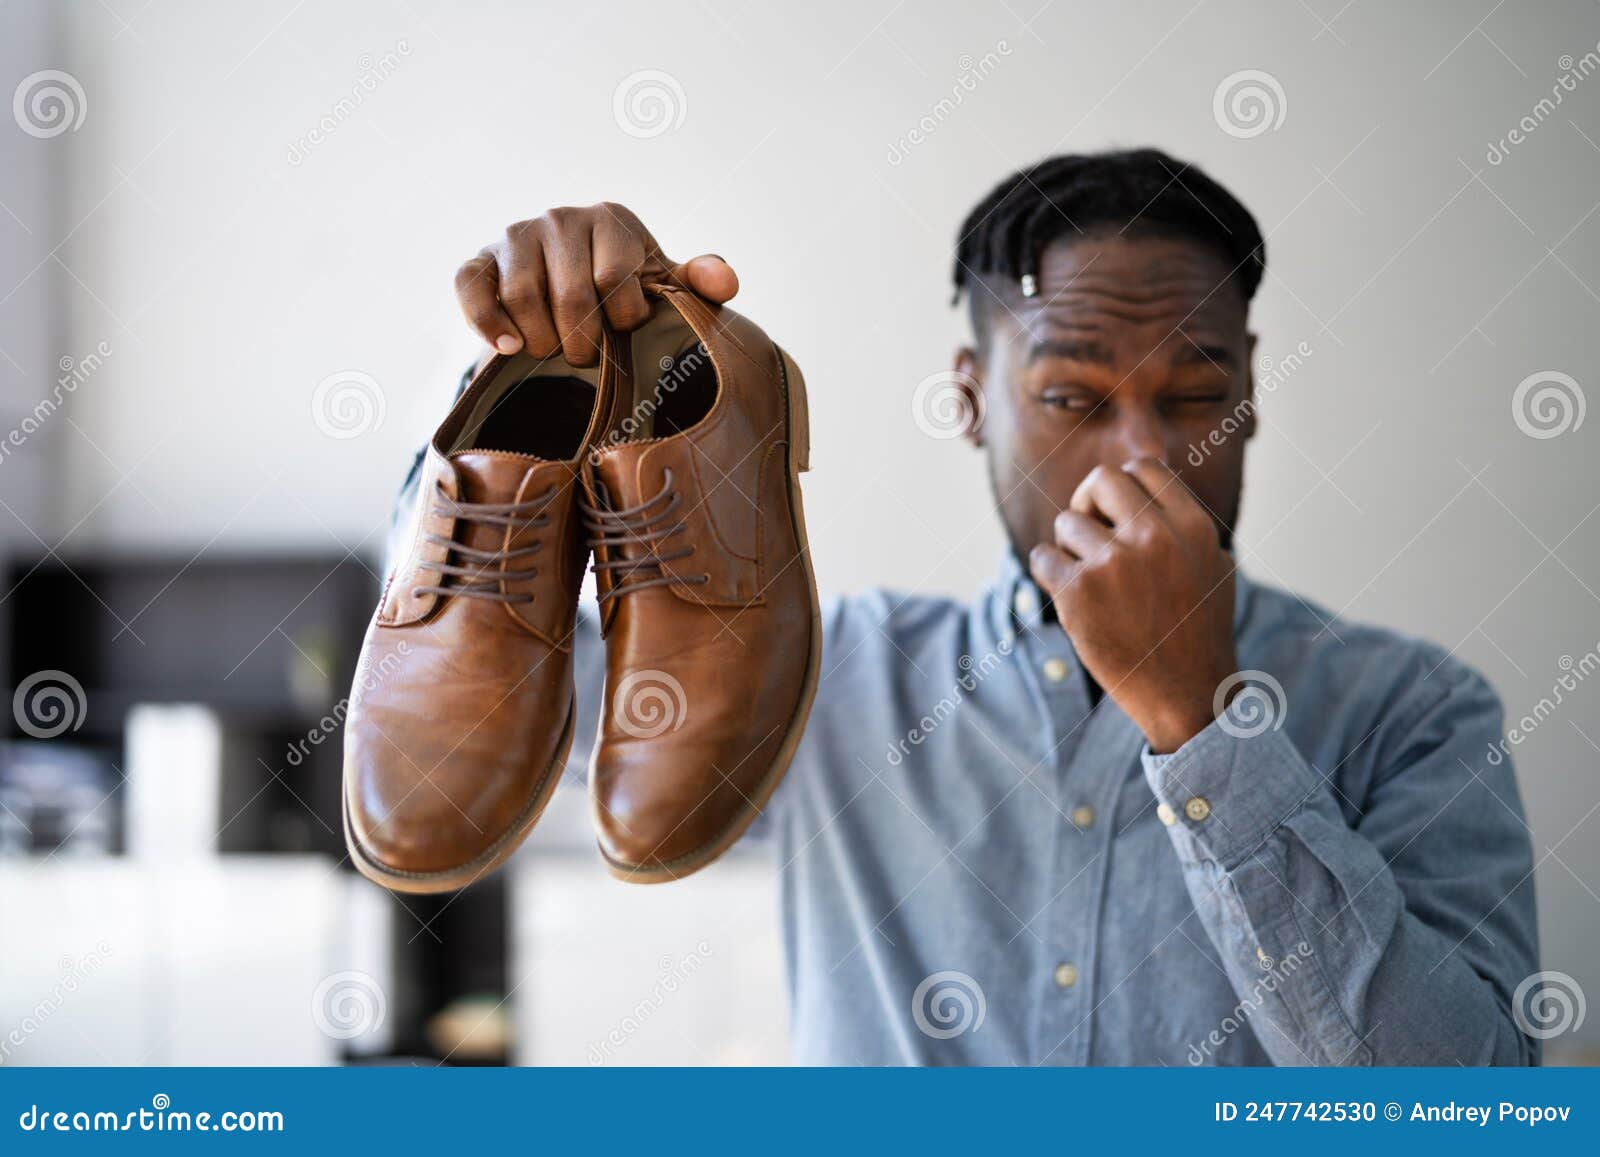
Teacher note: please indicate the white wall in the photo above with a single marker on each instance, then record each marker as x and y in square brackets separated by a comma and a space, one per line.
[1390, 481]
[30, 316]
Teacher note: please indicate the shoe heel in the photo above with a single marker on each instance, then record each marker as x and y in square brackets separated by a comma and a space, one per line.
[799, 415]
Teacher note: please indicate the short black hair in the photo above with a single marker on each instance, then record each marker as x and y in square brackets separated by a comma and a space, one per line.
[1081, 194]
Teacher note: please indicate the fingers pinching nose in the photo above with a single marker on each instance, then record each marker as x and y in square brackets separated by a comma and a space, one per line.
[1132, 465]
[1044, 564]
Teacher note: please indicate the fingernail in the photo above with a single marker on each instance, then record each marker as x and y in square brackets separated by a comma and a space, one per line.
[507, 344]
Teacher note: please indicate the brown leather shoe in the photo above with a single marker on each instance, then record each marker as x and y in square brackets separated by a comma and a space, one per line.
[462, 711]
[708, 604]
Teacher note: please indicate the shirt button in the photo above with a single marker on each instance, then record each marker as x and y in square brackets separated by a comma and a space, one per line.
[1166, 815]
[1082, 816]
[1024, 602]
[1197, 808]
[1066, 975]
[1055, 670]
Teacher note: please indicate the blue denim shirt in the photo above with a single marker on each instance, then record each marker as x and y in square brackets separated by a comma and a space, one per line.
[977, 866]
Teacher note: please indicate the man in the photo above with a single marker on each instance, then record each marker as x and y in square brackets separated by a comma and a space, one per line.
[1128, 806]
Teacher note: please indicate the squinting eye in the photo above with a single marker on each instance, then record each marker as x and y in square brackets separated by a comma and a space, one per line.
[1077, 403]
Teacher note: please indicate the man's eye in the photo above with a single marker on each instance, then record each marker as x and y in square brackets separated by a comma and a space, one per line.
[1078, 403]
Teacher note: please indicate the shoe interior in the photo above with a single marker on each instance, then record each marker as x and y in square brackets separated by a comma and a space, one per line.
[543, 410]
[675, 383]
[543, 407]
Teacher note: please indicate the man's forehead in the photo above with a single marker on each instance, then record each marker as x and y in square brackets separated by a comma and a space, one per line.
[1095, 320]
[1098, 287]
[1112, 254]
[1132, 268]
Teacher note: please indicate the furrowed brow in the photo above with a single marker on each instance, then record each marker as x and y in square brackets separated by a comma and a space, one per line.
[1072, 349]
[1193, 353]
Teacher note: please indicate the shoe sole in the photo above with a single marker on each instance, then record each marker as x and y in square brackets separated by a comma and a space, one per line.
[454, 879]
[799, 440]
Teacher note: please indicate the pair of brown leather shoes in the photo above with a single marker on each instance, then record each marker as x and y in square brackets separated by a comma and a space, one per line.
[676, 463]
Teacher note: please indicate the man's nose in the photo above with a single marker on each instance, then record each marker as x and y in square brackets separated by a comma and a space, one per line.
[1142, 435]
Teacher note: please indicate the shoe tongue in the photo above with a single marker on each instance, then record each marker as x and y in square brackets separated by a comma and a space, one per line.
[487, 476]
[618, 471]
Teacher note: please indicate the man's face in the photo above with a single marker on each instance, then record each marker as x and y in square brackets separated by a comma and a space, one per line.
[1133, 347]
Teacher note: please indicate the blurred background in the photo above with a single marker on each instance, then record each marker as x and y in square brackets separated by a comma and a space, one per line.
[227, 242]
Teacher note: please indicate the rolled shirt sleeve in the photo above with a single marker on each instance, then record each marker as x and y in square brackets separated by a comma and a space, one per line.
[1398, 939]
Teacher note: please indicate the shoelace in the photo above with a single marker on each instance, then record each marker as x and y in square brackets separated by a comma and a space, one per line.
[482, 581]
[644, 526]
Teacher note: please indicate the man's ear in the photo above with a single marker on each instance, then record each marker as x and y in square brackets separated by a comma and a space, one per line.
[968, 379]
[1249, 424]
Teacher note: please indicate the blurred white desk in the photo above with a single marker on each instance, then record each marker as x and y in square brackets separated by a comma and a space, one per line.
[607, 973]
[114, 961]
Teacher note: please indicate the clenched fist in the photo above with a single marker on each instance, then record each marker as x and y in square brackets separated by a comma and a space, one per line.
[1145, 591]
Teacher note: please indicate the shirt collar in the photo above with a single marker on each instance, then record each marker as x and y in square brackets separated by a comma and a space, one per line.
[1020, 600]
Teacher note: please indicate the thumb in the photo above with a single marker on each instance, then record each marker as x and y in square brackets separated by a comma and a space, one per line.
[1051, 567]
[709, 276]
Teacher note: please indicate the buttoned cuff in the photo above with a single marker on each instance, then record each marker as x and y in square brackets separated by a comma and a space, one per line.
[1225, 792]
